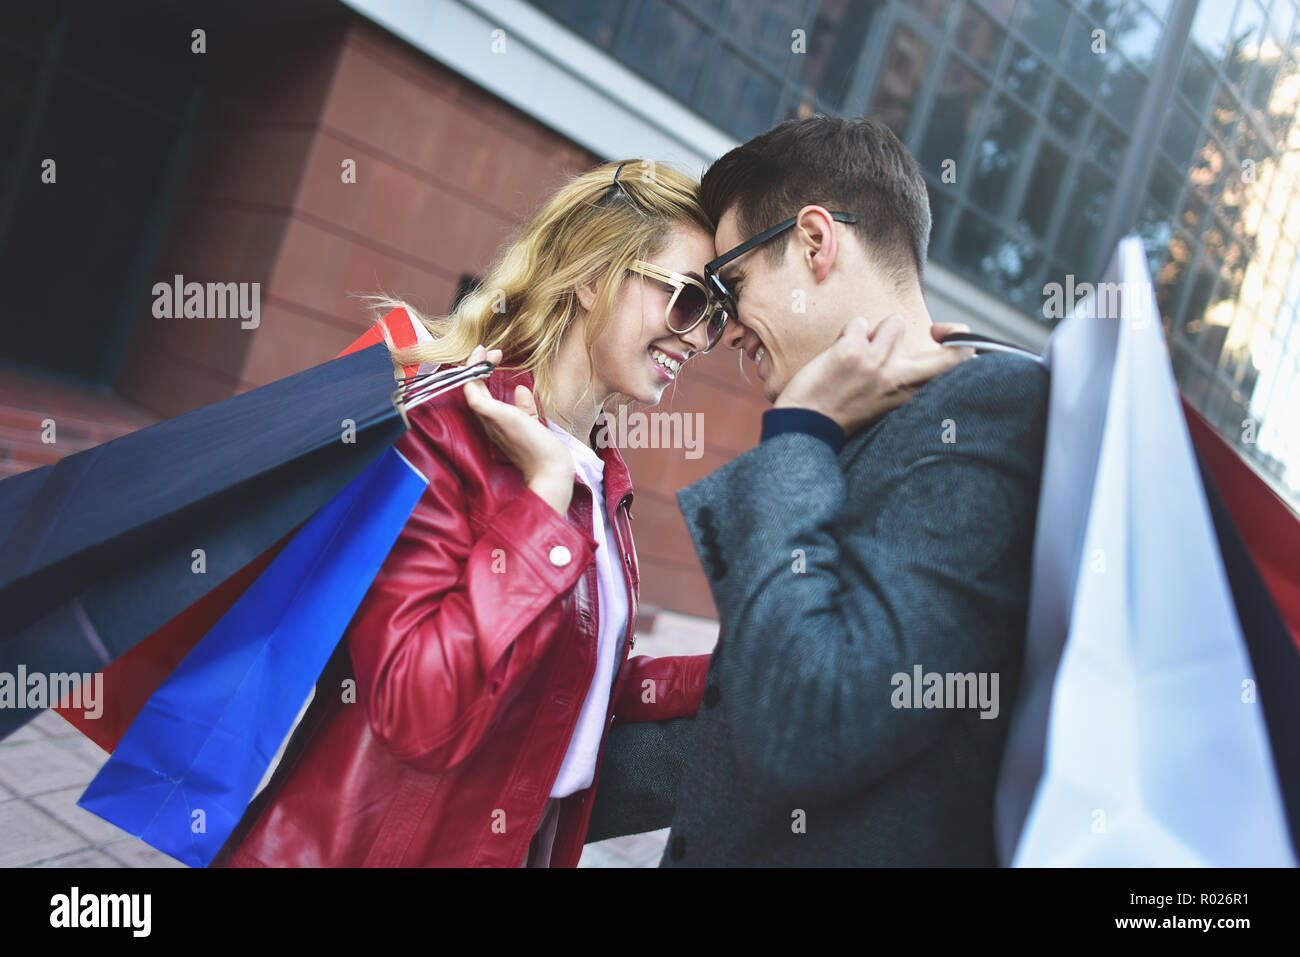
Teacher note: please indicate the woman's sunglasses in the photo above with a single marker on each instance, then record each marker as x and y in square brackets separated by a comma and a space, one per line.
[689, 305]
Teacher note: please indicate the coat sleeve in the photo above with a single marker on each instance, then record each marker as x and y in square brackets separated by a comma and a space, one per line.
[640, 773]
[660, 688]
[460, 611]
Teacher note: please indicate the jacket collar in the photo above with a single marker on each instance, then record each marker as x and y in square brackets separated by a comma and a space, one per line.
[618, 481]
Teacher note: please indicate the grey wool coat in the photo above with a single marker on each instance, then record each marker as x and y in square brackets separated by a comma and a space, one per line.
[872, 607]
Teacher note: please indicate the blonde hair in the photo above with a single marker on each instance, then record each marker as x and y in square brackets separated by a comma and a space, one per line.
[589, 231]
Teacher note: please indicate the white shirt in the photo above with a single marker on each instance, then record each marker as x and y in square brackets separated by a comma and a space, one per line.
[579, 767]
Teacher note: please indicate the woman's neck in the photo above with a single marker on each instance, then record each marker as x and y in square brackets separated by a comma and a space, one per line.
[576, 397]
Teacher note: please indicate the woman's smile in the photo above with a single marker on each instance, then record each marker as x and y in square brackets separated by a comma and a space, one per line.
[666, 364]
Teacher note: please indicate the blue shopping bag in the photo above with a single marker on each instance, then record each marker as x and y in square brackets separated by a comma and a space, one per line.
[189, 765]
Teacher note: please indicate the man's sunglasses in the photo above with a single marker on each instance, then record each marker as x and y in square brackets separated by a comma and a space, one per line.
[689, 305]
[711, 271]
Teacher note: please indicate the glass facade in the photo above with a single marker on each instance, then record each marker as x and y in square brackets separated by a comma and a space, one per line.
[1024, 114]
[1222, 221]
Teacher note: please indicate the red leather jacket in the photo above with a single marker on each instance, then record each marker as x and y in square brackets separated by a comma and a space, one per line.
[472, 653]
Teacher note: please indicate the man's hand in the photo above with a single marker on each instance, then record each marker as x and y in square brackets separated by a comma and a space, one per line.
[865, 373]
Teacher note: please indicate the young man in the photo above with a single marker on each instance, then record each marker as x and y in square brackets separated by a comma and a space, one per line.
[871, 571]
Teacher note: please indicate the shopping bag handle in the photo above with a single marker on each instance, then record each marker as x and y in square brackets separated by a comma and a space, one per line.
[423, 386]
[987, 344]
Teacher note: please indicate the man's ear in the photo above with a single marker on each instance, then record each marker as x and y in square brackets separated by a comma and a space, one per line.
[815, 241]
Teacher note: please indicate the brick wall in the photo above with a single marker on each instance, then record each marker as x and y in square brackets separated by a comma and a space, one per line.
[83, 417]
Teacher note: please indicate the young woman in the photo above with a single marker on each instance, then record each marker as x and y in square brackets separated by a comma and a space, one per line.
[462, 719]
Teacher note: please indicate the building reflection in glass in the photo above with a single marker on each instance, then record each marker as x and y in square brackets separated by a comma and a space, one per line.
[1023, 127]
[1229, 285]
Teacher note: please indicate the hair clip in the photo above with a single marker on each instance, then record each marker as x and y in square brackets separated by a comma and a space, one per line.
[616, 187]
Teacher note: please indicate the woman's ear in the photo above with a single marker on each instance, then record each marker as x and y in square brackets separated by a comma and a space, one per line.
[586, 293]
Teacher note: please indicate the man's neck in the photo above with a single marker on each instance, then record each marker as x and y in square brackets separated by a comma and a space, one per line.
[910, 304]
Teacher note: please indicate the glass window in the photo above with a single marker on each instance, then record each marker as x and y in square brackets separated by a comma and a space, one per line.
[1208, 168]
[1193, 216]
[1210, 29]
[1122, 89]
[1262, 77]
[763, 30]
[1137, 34]
[739, 98]
[1001, 9]
[1172, 277]
[972, 242]
[1018, 266]
[666, 47]
[900, 79]
[979, 37]
[1026, 74]
[1280, 21]
[952, 119]
[1279, 120]
[1210, 346]
[1067, 110]
[1224, 114]
[796, 108]
[1243, 45]
[1198, 298]
[1196, 79]
[1085, 217]
[1251, 144]
[935, 11]
[1043, 24]
[1000, 152]
[834, 43]
[1044, 186]
[1155, 226]
[1180, 136]
[982, 249]
[1106, 144]
[1078, 61]
[1164, 187]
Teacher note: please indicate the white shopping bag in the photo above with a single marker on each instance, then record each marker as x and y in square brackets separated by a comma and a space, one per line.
[1136, 739]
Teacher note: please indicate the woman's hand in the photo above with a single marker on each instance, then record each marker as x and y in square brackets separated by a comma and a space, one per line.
[866, 373]
[531, 446]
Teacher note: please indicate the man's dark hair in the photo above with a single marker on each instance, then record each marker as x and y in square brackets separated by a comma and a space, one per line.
[853, 166]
